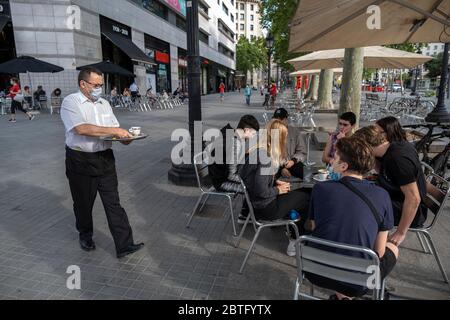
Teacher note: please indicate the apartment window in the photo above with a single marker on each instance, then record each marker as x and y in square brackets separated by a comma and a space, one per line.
[237, 5]
[242, 26]
[251, 27]
[231, 17]
[224, 50]
[237, 26]
[242, 16]
[252, 7]
[154, 7]
[225, 30]
[224, 8]
[242, 6]
[203, 37]
[252, 17]
[181, 23]
[232, 2]
[252, 37]
[435, 47]
[218, 2]
[202, 7]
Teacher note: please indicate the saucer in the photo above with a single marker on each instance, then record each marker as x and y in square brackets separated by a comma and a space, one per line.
[316, 177]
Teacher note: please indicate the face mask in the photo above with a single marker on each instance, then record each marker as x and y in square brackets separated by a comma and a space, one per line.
[335, 176]
[96, 93]
[12, 82]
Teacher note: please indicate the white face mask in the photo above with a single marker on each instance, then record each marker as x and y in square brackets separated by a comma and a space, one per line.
[96, 94]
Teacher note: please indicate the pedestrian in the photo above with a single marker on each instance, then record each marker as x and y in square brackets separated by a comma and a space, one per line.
[134, 90]
[15, 93]
[273, 94]
[56, 100]
[248, 94]
[90, 162]
[222, 91]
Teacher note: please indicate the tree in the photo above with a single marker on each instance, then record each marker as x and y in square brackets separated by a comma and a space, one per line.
[276, 15]
[250, 55]
[351, 82]
[434, 66]
[410, 47]
[325, 97]
[313, 88]
[367, 73]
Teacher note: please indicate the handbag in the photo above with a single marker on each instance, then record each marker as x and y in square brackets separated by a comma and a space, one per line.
[18, 97]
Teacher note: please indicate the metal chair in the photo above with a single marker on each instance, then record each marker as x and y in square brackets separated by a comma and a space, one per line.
[438, 191]
[259, 225]
[337, 266]
[206, 189]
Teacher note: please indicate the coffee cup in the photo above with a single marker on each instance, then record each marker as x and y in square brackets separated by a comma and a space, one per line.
[135, 131]
[323, 174]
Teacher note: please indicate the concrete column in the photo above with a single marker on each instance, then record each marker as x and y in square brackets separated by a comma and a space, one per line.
[141, 78]
[174, 67]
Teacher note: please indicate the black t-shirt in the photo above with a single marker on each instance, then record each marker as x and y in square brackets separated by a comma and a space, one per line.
[401, 166]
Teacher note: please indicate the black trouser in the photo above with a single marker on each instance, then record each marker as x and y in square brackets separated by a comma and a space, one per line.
[17, 105]
[89, 173]
[297, 170]
[280, 207]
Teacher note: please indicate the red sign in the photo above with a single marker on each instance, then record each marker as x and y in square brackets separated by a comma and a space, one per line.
[205, 61]
[162, 57]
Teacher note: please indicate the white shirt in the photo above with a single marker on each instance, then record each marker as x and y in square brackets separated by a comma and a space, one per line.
[134, 87]
[77, 109]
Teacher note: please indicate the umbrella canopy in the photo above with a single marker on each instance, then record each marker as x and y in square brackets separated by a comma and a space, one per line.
[374, 57]
[313, 71]
[109, 68]
[333, 24]
[26, 64]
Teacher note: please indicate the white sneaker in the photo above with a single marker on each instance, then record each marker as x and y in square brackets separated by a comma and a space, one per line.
[291, 248]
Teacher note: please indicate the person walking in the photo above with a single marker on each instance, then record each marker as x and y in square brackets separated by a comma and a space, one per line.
[15, 93]
[222, 91]
[90, 162]
[273, 94]
[248, 94]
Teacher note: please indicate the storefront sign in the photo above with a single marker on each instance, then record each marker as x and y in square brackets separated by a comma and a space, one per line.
[178, 5]
[182, 62]
[162, 57]
[120, 30]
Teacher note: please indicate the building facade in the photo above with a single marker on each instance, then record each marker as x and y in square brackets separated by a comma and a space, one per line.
[147, 37]
[248, 24]
[433, 49]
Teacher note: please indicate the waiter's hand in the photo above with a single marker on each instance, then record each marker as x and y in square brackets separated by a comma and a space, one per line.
[121, 133]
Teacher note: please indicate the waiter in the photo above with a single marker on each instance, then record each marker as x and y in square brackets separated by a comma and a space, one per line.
[90, 163]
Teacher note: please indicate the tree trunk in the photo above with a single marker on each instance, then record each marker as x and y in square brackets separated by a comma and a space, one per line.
[351, 82]
[325, 99]
[313, 88]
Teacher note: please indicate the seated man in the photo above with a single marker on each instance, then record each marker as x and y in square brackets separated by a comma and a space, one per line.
[295, 148]
[401, 175]
[339, 214]
[225, 175]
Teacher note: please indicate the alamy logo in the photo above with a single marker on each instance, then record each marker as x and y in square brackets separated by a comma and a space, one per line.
[74, 280]
[374, 280]
[73, 21]
[374, 20]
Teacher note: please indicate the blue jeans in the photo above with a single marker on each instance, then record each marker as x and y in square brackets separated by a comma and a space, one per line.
[247, 99]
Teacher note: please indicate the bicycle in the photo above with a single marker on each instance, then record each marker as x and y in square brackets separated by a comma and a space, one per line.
[439, 162]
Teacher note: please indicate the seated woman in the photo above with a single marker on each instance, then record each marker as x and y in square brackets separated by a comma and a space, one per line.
[347, 123]
[273, 199]
[339, 214]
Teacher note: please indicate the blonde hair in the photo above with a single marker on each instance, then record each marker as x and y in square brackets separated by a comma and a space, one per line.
[275, 142]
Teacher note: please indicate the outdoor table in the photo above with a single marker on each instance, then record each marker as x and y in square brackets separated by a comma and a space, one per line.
[307, 182]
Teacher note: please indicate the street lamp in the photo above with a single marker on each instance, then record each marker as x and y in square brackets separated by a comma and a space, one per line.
[269, 45]
[184, 174]
[440, 113]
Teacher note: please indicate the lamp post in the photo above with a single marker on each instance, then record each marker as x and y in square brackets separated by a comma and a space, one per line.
[440, 113]
[269, 44]
[184, 174]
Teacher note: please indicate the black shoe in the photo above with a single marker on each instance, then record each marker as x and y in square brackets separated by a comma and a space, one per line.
[129, 250]
[87, 245]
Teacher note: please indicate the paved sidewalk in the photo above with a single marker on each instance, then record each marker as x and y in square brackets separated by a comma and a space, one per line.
[38, 240]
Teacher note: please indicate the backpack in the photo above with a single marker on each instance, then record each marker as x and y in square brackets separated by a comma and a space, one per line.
[219, 172]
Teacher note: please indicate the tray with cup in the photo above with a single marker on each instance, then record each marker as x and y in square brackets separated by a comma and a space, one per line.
[136, 133]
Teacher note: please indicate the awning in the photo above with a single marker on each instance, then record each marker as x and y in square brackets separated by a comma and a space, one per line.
[127, 46]
[3, 21]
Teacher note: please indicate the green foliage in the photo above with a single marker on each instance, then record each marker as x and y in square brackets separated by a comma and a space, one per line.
[250, 55]
[434, 66]
[276, 15]
[367, 73]
[410, 47]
